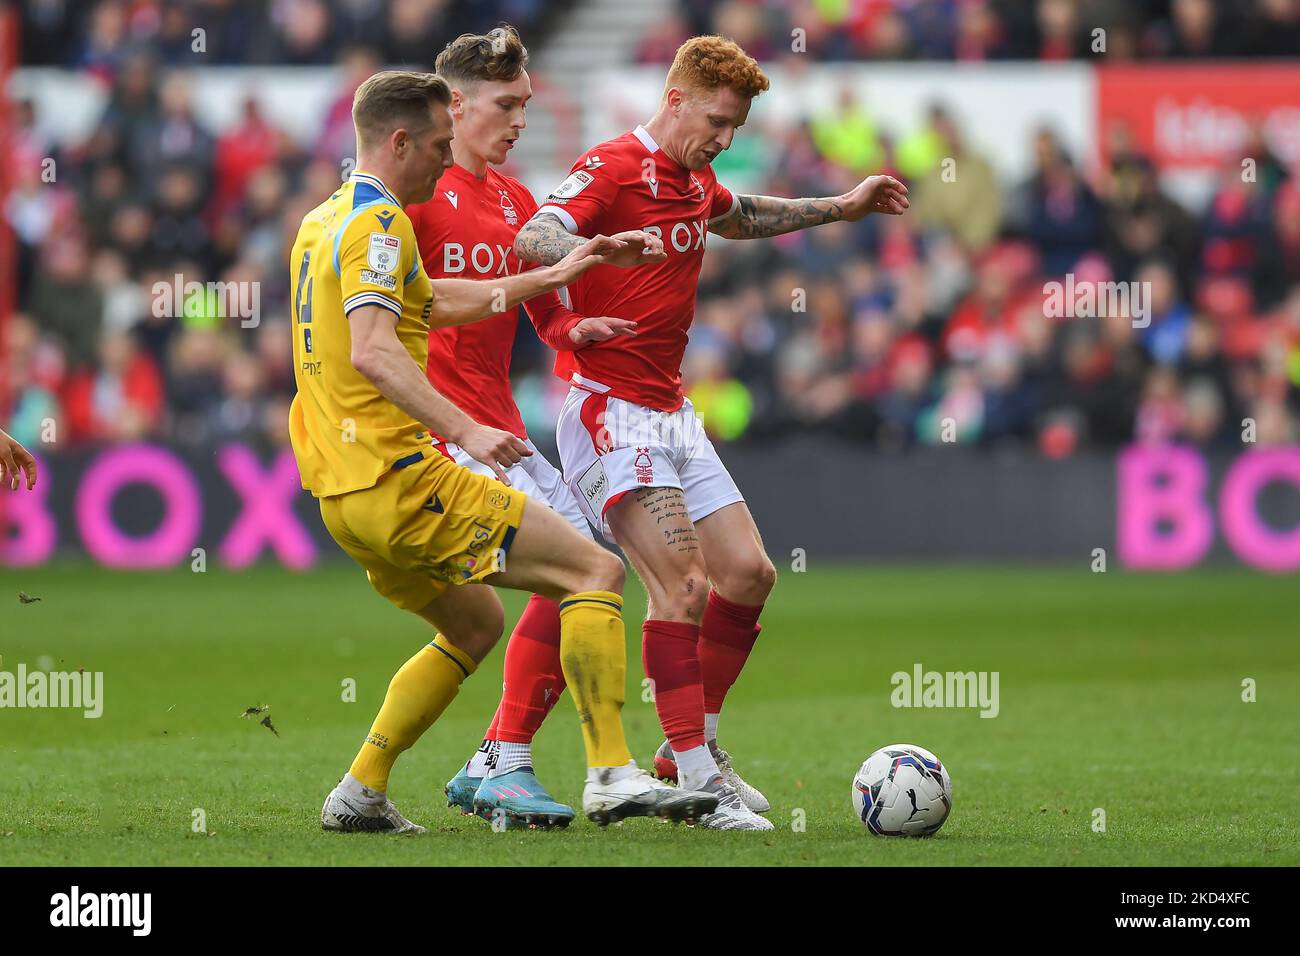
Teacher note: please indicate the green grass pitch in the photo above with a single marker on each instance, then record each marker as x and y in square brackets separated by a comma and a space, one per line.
[1120, 692]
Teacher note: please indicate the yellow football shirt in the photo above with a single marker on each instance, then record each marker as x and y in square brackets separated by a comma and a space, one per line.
[357, 248]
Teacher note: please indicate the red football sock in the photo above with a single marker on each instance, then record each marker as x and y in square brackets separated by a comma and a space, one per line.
[727, 635]
[669, 651]
[534, 679]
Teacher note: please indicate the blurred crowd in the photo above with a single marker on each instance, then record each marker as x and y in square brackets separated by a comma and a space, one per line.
[986, 29]
[886, 330]
[99, 34]
[892, 331]
[102, 35]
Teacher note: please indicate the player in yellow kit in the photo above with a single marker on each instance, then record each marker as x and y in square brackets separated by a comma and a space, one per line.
[425, 529]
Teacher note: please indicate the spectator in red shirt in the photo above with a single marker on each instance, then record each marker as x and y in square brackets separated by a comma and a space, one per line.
[121, 400]
[241, 151]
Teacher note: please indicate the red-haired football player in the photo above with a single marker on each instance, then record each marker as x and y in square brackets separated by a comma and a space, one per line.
[631, 446]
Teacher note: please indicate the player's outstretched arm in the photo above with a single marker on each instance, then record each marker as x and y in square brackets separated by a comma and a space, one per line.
[544, 239]
[757, 217]
[378, 354]
[15, 461]
[459, 301]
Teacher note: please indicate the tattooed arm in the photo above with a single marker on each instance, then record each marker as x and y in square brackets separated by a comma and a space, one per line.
[544, 239]
[756, 217]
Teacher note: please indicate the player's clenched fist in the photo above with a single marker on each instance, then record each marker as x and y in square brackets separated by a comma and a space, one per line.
[494, 448]
[15, 460]
[880, 194]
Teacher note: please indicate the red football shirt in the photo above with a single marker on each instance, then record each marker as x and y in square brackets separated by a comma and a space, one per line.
[630, 183]
[467, 231]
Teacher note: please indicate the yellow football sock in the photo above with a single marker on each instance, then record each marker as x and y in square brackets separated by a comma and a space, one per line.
[593, 654]
[417, 695]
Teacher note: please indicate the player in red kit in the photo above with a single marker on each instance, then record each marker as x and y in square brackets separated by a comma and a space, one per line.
[468, 230]
[630, 444]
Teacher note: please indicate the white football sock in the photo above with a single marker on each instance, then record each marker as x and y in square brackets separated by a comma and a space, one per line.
[608, 775]
[695, 767]
[484, 759]
[711, 727]
[512, 756]
[354, 789]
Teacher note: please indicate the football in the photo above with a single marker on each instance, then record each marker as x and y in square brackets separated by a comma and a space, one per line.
[902, 790]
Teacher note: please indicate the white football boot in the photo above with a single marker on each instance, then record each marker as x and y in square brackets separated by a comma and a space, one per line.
[373, 813]
[666, 768]
[638, 794]
[732, 814]
[749, 796]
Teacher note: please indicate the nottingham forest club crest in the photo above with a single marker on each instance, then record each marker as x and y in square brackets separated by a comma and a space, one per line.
[508, 209]
[644, 466]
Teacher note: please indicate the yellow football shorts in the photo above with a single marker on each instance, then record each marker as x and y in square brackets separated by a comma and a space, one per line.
[427, 523]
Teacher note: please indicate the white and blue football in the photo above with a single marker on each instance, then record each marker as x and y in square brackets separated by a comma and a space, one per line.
[902, 790]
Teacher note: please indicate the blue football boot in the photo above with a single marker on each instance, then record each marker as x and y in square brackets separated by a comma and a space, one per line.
[519, 799]
[460, 791]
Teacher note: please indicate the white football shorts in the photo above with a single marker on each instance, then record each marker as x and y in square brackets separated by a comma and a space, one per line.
[609, 447]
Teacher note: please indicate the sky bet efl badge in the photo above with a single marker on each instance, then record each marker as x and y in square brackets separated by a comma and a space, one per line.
[576, 183]
[385, 251]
